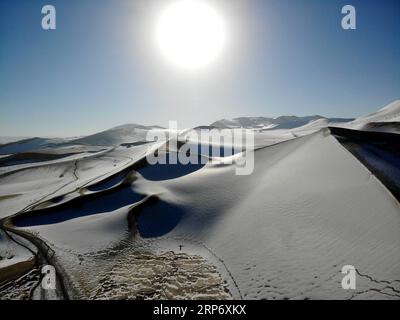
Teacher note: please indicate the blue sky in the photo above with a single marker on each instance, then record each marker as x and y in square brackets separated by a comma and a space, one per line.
[99, 68]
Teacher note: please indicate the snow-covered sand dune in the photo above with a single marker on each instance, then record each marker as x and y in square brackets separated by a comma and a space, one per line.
[285, 232]
[25, 145]
[391, 112]
[129, 133]
[385, 119]
[23, 188]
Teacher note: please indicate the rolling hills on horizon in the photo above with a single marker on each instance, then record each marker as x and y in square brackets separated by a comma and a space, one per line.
[319, 198]
[385, 119]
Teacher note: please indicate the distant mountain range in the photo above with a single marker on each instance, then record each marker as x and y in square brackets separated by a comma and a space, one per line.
[386, 119]
[283, 122]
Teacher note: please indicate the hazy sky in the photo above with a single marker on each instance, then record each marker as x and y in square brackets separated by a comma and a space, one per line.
[100, 67]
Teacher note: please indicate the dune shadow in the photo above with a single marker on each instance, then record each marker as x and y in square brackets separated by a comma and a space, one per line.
[378, 151]
[108, 182]
[83, 206]
[158, 219]
[26, 158]
[170, 169]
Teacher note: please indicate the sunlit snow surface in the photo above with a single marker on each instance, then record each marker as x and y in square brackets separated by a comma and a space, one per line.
[122, 229]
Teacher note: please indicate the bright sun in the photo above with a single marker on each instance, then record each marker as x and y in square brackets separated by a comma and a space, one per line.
[190, 34]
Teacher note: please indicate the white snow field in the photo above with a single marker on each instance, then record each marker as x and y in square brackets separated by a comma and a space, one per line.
[386, 119]
[25, 187]
[389, 113]
[284, 232]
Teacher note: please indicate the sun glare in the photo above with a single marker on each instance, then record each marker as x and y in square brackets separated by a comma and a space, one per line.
[190, 34]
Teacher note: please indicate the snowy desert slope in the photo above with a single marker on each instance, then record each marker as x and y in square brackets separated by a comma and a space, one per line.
[25, 187]
[384, 119]
[284, 232]
[129, 133]
[26, 145]
[391, 112]
[309, 208]
[10, 139]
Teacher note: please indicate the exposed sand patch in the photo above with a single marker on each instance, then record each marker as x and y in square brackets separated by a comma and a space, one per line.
[147, 275]
[9, 196]
[16, 270]
[21, 288]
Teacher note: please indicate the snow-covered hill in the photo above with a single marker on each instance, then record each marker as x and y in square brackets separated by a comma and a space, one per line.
[262, 123]
[309, 208]
[129, 133]
[386, 119]
[27, 145]
[284, 232]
